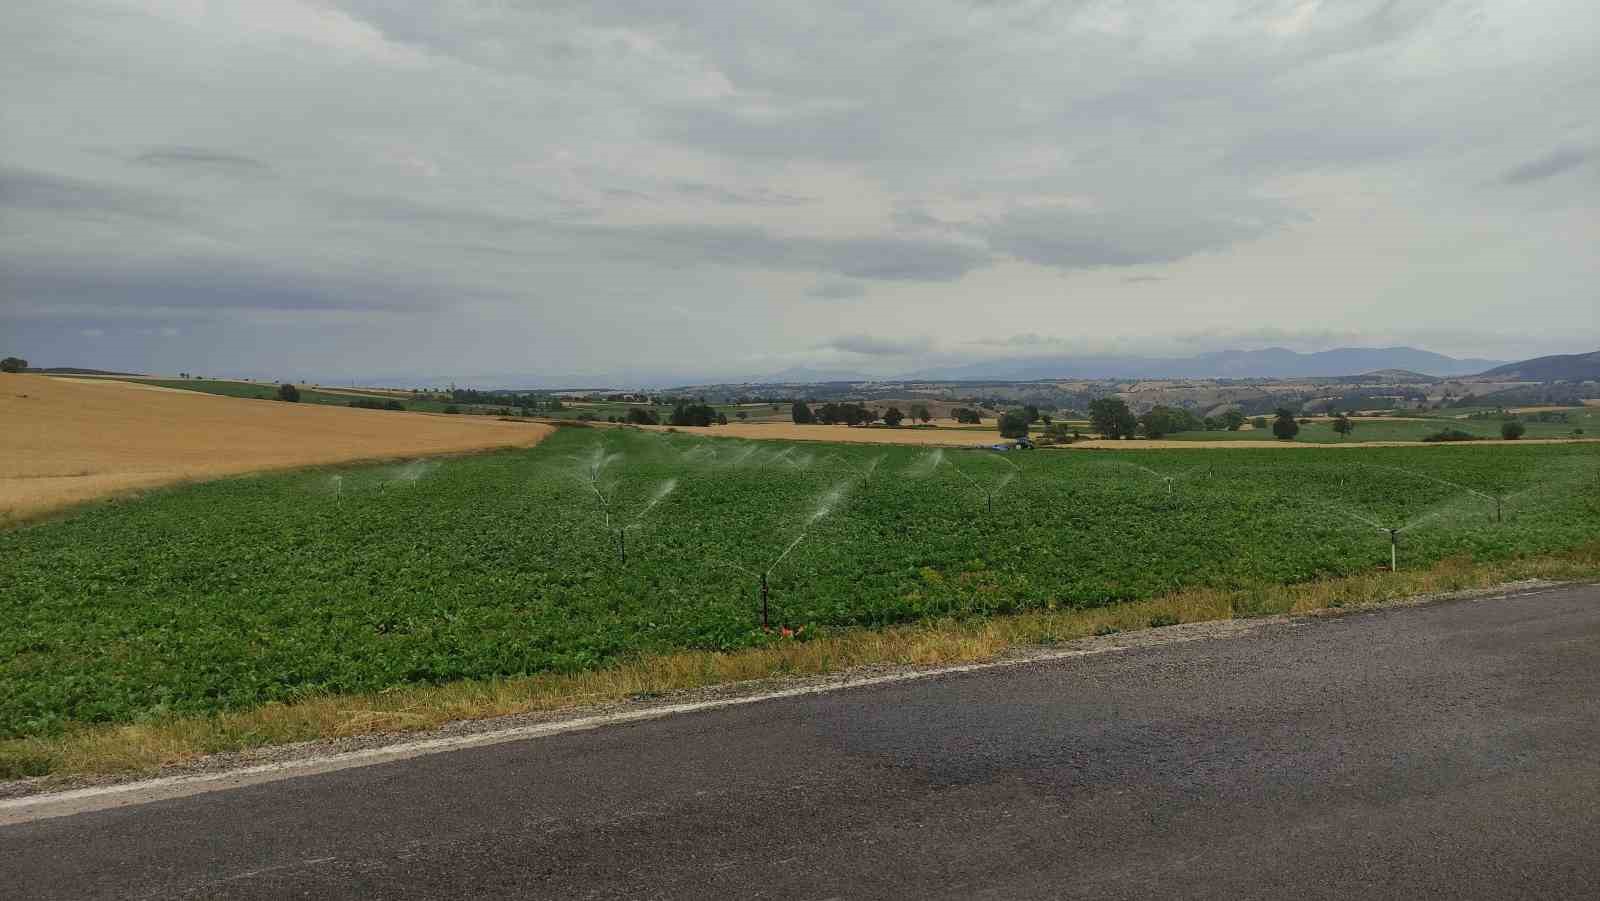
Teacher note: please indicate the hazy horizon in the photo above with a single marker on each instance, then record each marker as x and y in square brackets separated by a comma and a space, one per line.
[341, 189]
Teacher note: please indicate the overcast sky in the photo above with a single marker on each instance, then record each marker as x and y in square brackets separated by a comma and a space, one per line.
[365, 188]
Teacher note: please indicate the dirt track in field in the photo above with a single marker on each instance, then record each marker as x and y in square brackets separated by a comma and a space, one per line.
[65, 441]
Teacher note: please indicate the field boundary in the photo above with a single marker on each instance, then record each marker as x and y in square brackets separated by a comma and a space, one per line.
[135, 492]
[312, 758]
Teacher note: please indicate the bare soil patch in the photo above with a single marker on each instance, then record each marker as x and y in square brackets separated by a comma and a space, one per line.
[69, 440]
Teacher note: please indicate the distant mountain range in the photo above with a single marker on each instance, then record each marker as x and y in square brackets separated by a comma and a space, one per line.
[1571, 367]
[1393, 364]
[1274, 362]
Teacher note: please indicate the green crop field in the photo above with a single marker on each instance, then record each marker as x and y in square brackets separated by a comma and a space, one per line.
[232, 593]
[269, 391]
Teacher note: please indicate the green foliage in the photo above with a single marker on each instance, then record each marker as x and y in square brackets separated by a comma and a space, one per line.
[1284, 428]
[1014, 424]
[893, 416]
[643, 416]
[801, 413]
[1160, 422]
[1111, 418]
[1512, 429]
[920, 413]
[289, 393]
[1344, 425]
[966, 416]
[691, 414]
[845, 414]
[372, 403]
[13, 364]
[238, 592]
[1233, 420]
[1451, 435]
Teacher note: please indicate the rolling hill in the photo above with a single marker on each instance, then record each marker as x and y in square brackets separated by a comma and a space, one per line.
[1568, 367]
[1273, 362]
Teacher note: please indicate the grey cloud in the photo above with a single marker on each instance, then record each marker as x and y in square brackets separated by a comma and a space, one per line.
[868, 346]
[199, 158]
[109, 285]
[679, 245]
[1547, 166]
[741, 197]
[886, 259]
[1337, 146]
[26, 189]
[838, 289]
[1074, 239]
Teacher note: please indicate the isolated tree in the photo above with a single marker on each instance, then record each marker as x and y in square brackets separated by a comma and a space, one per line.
[1344, 426]
[289, 393]
[892, 417]
[920, 413]
[1284, 428]
[1014, 424]
[13, 364]
[1512, 429]
[1260, 422]
[1111, 417]
[1233, 420]
[801, 413]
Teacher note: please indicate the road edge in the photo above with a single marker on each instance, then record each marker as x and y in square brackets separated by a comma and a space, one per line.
[49, 804]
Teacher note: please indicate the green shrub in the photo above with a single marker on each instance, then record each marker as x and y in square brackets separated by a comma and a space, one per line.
[1451, 435]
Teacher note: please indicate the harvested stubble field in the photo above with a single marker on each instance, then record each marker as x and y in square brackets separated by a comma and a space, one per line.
[71, 440]
[231, 594]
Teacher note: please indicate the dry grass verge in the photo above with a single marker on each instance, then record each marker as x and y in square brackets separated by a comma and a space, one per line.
[147, 748]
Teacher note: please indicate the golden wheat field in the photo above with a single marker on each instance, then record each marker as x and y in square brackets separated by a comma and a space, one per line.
[63, 441]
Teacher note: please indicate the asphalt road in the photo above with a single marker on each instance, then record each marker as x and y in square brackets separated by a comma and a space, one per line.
[1442, 751]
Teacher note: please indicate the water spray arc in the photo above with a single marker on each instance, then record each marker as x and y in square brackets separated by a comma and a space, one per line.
[988, 491]
[593, 472]
[829, 501]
